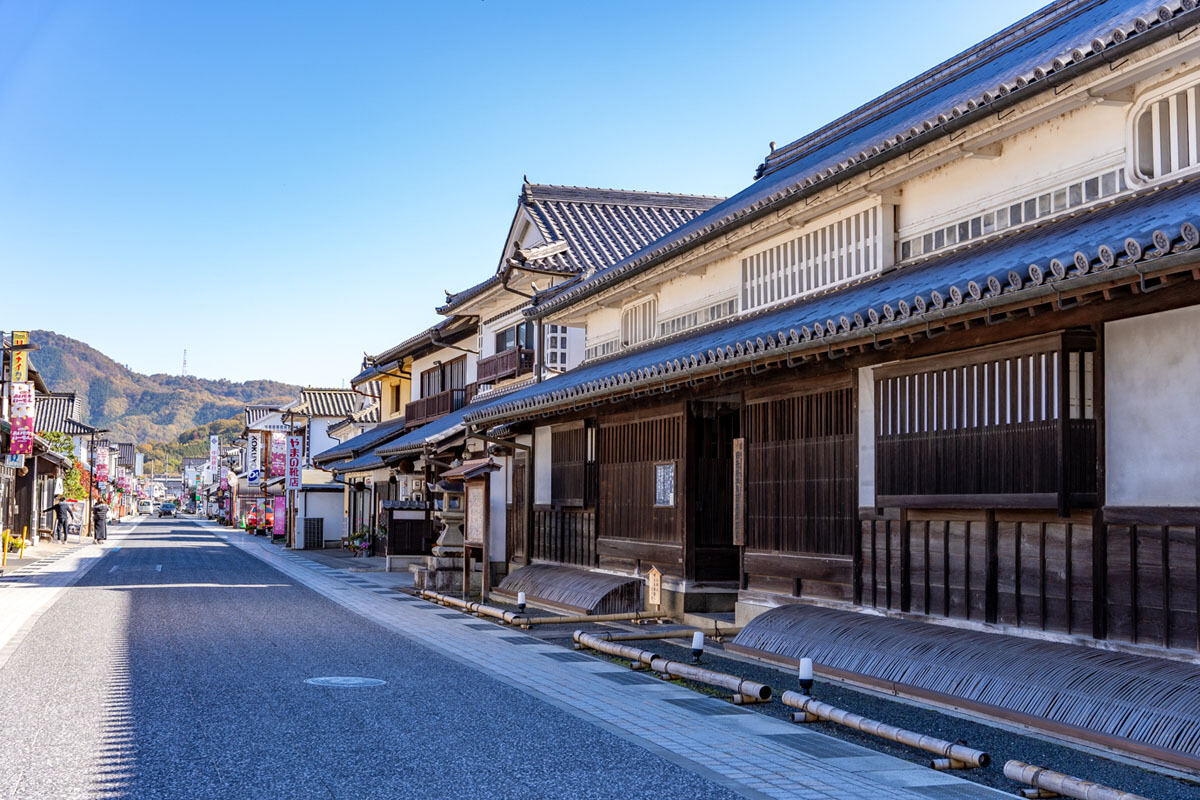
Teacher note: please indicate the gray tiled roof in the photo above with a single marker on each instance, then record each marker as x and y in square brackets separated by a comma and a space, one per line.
[451, 330]
[1037, 265]
[1037, 54]
[125, 454]
[327, 402]
[587, 229]
[256, 414]
[56, 410]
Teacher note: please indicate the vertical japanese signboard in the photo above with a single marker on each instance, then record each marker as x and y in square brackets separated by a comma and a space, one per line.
[214, 453]
[23, 409]
[254, 459]
[20, 358]
[295, 459]
[739, 492]
[139, 464]
[278, 454]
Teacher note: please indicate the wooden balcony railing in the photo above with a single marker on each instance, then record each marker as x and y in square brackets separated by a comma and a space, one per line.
[436, 405]
[508, 364]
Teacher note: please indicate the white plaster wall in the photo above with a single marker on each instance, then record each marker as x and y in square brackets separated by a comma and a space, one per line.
[1152, 430]
[497, 500]
[541, 465]
[324, 505]
[576, 344]
[321, 440]
[603, 323]
[716, 281]
[1081, 141]
[866, 436]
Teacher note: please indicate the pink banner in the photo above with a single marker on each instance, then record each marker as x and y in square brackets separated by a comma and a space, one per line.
[278, 455]
[24, 407]
[280, 528]
[295, 460]
[101, 465]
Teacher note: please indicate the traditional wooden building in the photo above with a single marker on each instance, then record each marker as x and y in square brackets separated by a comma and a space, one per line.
[935, 362]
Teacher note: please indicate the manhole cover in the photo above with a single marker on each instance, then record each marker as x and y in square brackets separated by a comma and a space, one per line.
[344, 681]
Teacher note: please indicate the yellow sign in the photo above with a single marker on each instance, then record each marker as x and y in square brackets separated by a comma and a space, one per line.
[654, 587]
[20, 358]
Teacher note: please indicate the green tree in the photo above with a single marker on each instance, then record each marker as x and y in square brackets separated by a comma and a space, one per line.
[62, 444]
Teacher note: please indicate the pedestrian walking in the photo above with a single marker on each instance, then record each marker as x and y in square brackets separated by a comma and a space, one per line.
[62, 512]
[100, 521]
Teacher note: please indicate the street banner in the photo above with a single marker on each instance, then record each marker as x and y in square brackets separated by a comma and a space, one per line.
[23, 409]
[139, 464]
[214, 452]
[280, 527]
[253, 459]
[20, 358]
[100, 465]
[278, 455]
[224, 481]
[295, 456]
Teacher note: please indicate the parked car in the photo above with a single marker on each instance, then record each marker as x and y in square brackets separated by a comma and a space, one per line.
[166, 510]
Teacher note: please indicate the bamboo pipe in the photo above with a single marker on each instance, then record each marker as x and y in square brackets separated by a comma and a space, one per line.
[629, 617]
[1064, 785]
[954, 756]
[683, 634]
[525, 621]
[634, 654]
[744, 690]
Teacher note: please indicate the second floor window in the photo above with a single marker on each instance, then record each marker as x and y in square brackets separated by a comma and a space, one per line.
[516, 336]
[556, 346]
[445, 376]
[638, 322]
[1165, 137]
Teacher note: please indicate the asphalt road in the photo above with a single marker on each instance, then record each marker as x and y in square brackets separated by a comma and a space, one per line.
[176, 668]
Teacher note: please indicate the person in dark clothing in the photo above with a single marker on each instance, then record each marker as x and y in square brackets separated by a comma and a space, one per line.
[62, 513]
[100, 521]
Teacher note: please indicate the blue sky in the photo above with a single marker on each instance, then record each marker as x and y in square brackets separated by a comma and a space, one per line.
[280, 186]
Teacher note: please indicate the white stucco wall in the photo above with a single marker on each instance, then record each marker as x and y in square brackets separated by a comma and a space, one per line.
[1075, 143]
[324, 505]
[1152, 430]
[445, 355]
[866, 436]
[541, 465]
[497, 511]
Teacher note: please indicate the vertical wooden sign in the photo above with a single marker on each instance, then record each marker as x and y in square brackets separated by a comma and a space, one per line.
[739, 492]
[654, 587]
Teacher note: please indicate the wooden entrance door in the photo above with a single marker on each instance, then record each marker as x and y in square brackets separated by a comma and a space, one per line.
[713, 429]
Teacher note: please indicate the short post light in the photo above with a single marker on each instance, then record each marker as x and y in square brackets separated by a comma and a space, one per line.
[521, 602]
[697, 646]
[805, 674]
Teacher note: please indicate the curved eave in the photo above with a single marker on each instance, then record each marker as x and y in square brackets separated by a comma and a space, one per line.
[1132, 35]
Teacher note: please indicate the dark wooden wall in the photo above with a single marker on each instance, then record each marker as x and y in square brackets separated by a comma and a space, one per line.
[631, 530]
[801, 489]
[516, 512]
[564, 535]
[1152, 564]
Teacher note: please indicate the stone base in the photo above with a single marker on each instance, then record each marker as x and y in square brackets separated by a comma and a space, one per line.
[444, 575]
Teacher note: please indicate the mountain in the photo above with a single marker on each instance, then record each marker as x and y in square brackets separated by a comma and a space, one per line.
[144, 408]
[168, 456]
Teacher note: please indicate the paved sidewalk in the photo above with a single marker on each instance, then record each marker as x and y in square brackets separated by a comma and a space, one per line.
[27, 591]
[752, 754]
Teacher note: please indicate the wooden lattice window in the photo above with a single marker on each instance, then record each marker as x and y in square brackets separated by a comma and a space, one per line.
[1009, 425]
[568, 451]
[1165, 134]
[800, 472]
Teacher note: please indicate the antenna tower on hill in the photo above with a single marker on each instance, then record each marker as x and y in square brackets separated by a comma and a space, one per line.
[184, 372]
